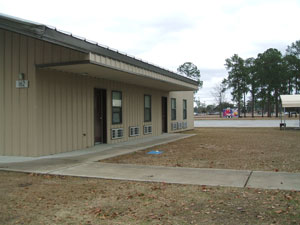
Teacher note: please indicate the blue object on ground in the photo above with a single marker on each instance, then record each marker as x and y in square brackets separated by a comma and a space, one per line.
[154, 152]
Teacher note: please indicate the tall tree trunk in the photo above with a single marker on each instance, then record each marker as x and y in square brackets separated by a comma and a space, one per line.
[239, 108]
[262, 109]
[220, 108]
[276, 102]
[239, 101]
[297, 84]
[244, 104]
[290, 91]
[269, 103]
[290, 86]
[252, 104]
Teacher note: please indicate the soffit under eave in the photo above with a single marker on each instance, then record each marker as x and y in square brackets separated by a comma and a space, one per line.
[97, 71]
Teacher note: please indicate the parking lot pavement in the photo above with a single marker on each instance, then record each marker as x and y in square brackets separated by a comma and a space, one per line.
[244, 123]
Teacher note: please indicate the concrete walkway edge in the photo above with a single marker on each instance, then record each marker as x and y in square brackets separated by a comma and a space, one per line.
[85, 163]
[178, 175]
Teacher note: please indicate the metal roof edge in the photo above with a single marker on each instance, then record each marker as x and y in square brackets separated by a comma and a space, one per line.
[55, 36]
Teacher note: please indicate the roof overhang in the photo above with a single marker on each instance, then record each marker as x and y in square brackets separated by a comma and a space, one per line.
[167, 80]
[290, 101]
[103, 71]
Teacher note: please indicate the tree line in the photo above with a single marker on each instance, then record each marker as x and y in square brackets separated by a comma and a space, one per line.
[265, 78]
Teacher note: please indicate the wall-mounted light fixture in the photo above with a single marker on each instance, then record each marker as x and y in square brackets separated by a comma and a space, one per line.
[21, 76]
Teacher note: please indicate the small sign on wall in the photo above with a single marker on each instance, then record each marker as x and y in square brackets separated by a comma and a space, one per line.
[22, 83]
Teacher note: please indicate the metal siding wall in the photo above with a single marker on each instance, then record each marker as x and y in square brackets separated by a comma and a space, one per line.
[64, 116]
[32, 99]
[190, 110]
[179, 96]
[2, 92]
[77, 116]
[23, 97]
[52, 115]
[69, 113]
[8, 94]
[15, 95]
[66, 112]
[20, 112]
[61, 114]
[133, 111]
[156, 112]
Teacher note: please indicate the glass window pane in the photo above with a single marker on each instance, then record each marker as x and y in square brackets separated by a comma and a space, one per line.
[116, 110]
[173, 114]
[147, 101]
[147, 115]
[116, 107]
[116, 118]
[116, 95]
[147, 108]
[173, 103]
[116, 99]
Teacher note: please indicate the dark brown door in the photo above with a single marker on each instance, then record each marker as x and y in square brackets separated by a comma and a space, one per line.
[100, 116]
[164, 107]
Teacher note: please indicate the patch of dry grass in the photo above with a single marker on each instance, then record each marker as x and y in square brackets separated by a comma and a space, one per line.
[44, 199]
[230, 148]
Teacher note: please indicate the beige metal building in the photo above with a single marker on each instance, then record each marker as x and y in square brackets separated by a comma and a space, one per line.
[60, 93]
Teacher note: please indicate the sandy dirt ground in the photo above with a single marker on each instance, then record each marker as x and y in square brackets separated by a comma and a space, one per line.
[43, 199]
[267, 149]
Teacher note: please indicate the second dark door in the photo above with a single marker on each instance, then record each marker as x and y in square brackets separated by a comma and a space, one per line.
[100, 116]
[164, 107]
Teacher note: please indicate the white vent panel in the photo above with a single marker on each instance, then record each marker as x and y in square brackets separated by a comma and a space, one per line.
[179, 125]
[148, 129]
[174, 126]
[117, 133]
[134, 131]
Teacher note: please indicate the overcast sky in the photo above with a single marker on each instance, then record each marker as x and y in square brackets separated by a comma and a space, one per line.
[169, 32]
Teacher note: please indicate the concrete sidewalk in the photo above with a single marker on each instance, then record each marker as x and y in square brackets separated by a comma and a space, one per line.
[48, 163]
[103, 151]
[85, 164]
[179, 175]
[176, 175]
